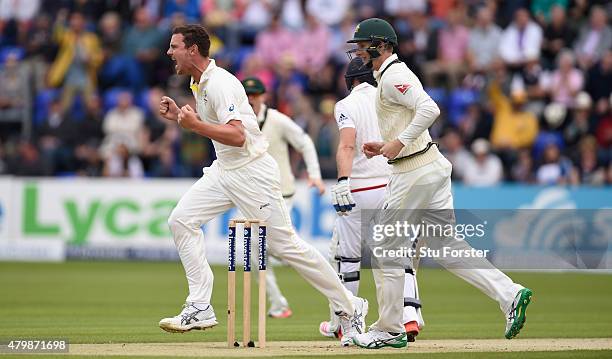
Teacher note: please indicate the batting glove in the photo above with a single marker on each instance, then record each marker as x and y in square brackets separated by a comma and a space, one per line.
[341, 197]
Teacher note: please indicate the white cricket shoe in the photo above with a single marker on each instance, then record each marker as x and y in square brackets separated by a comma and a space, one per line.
[192, 317]
[353, 324]
[376, 339]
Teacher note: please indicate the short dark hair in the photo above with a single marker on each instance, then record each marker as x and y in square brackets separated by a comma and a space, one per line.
[195, 35]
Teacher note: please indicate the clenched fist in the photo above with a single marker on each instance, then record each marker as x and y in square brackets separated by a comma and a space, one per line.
[168, 109]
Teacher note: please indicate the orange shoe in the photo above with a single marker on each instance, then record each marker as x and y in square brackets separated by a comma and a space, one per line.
[412, 330]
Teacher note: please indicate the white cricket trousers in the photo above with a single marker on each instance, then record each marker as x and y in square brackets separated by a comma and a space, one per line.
[255, 190]
[429, 187]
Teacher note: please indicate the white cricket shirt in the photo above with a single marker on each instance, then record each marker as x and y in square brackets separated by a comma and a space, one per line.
[358, 110]
[220, 98]
[281, 131]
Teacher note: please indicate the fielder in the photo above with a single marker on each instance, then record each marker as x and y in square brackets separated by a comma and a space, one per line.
[420, 180]
[362, 181]
[281, 132]
[243, 175]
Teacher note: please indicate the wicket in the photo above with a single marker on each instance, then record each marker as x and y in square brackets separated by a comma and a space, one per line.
[246, 299]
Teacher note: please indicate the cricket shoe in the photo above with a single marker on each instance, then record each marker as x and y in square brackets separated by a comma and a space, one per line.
[376, 339]
[352, 325]
[517, 315]
[327, 329]
[192, 317]
[412, 330]
[280, 313]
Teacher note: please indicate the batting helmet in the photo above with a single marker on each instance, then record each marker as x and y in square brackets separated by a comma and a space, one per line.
[358, 70]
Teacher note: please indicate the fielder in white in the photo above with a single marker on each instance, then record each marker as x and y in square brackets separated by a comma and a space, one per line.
[362, 181]
[420, 181]
[282, 132]
[244, 175]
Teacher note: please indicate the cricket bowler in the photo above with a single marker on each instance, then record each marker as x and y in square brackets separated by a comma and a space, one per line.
[245, 176]
[420, 180]
[361, 182]
[282, 132]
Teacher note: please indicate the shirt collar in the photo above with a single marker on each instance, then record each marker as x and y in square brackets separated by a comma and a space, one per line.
[360, 86]
[377, 73]
[205, 75]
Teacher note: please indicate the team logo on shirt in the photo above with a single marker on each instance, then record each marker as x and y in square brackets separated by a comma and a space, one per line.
[231, 108]
[342, 118]
[402, 88]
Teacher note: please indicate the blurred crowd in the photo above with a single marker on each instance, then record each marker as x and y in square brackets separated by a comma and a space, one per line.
[524, 86]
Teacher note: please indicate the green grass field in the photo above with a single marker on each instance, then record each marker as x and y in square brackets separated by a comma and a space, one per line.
[119, 302]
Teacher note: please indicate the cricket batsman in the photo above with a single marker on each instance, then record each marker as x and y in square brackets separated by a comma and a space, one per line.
[245, 176]
[361, 184]
[420, 180]
[282, 132]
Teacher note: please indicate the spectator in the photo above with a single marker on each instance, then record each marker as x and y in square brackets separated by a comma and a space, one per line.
[594, 39]
[521, 41]
[23, 11]
[57, 138]
[312, 49]
[513, 127]
[143, 43]
[589, 169]
[475, 123]
[421, 42]
[88, 161]
[326, 139]
[157, 134]
[566, 81]
[27, 162]
[604, 130]
[454, 150]
[483, 41]
[123, 125]
[329, 13]
[543, 10]
[581, 122]
[452, 52]
[15, 94]
[90, 128]
[274, 43]
[257, 15]
[123, 163]
[190, 8]
[40, 49]
[76, 65]
[20, 11]
[554, 115]
[599, 78]
[119, 70]
[554, 170]
[522, 170]
[558, 34]
[167, 165]
[484, 168]
[400, 7]
[338, 37]
[370, 8]
[292, 14]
